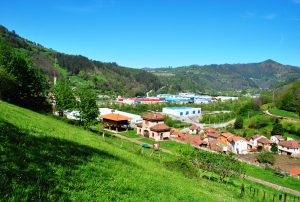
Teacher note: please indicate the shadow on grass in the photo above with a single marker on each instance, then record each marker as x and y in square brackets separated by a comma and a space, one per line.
[40, 168]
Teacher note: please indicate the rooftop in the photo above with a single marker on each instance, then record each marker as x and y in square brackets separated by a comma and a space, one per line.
[116, 117]
[161, 127]
[153, 117]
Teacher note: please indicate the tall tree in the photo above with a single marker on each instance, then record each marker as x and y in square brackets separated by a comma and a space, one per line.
[277, 128]
[64, 98]
[87, 106]
[29, 85]
[238, 124]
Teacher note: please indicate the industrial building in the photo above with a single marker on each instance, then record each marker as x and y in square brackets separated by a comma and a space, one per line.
[182, 111]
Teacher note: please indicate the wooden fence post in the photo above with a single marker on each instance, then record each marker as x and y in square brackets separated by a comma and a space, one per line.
[284, 197]
[273, 197]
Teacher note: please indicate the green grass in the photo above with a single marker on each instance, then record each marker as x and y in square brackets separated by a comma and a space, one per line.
[43, 158]
[279, 112]
[268, 175]
[130, 134]
[62, 71]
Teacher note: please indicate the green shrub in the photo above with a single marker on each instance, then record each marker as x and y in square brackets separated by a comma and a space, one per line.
[266, 157]
[259, 122]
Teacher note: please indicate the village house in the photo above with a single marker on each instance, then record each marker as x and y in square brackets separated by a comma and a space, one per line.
[153, 127]
[252, 142]
[211, 133]
[195, 130]
[238, 144]
[264, 143]
[289, 147]
[277, 138]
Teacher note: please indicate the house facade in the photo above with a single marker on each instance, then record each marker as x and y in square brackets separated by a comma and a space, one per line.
[238, 145]
[277, 138]
[153, 127]
[289, 147]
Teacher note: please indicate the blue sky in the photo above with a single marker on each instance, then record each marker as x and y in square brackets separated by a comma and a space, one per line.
[160, 33]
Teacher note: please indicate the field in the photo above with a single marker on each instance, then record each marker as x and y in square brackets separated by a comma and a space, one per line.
[283, 113]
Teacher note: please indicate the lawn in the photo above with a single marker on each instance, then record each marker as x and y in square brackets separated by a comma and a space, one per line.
[279, 112]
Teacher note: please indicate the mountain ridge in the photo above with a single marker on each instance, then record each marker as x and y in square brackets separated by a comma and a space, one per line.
[113, 79]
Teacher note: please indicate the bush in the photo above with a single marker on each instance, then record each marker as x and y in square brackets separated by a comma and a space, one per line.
[274, 148]
[238, 124]
[259, 122]
[266, 157]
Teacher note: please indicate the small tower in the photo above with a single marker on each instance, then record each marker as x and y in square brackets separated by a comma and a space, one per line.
[55, 76]
[55, 73]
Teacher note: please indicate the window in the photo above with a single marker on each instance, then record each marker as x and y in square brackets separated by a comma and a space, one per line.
[181, 113]
[194, 112]
[186, 113]
[198, 111]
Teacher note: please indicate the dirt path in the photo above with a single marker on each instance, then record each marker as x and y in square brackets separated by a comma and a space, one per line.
[253, 179]
[274, 186]
[280, 117]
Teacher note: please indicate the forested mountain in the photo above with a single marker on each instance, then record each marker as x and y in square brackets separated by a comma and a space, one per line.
[108, 78]
[227, 77]
[113, 79]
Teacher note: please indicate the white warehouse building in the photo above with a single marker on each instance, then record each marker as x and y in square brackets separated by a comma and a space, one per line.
[182, 111]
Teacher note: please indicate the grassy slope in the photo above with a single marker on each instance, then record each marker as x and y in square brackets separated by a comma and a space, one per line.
[44, 158]
[279, 112]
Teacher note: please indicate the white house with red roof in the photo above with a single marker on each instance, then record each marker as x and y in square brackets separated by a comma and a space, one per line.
[239, 145]
[277, 138]
[289, 147]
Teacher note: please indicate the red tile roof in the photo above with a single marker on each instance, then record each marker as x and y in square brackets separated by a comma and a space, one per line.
[195, 140]
[174, 131]
[226, 135]
[264, 140]
[153, 117]
[214, 135]
[295, 171]
[210, 130]
[161, 127]
[236, 138]
[292, 144]
[116, 117]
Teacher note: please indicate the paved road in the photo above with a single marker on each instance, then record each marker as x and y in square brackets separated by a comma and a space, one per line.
[269, 184]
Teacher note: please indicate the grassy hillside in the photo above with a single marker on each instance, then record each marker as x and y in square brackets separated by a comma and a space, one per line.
[227, 77]
[44, 158]
[107, 78]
